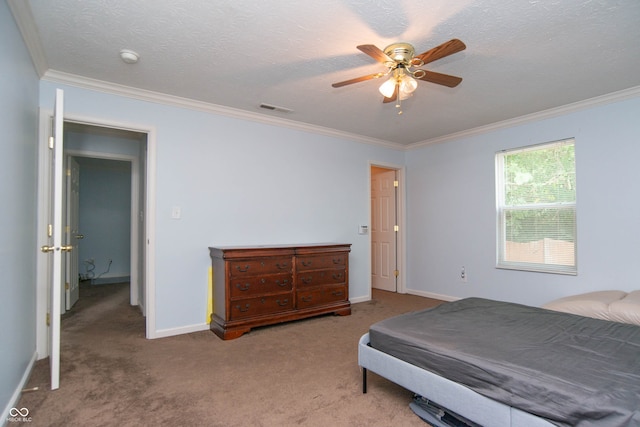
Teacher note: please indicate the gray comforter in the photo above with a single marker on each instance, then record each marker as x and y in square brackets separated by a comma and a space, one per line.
[569, 369]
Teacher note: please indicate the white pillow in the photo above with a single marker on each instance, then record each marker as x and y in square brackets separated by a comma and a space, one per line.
[592, 304]
[626, 310]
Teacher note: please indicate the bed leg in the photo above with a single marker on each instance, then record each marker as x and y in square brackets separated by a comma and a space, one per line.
[364, 380]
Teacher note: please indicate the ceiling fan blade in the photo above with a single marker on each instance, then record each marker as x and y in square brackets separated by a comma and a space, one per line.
[441, 79]
[358, 79]
[393, 97]
[445, 49]
[375, 53]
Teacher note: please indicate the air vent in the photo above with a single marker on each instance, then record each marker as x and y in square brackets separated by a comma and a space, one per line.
[275, 108]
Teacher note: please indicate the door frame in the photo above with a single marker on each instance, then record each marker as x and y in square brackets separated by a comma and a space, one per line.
[71, 214]
[42, 285]
[401, 219]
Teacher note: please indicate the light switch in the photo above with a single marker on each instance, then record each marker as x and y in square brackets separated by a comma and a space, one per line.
[363, 229]
[176, 212]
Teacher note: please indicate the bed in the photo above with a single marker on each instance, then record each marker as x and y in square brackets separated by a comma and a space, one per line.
[504, 364]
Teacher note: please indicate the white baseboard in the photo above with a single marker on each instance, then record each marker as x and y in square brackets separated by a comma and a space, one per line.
[18, 391]
[163, 333]
[360, 299]
[105, 280]
[432, 295]
[424, 294]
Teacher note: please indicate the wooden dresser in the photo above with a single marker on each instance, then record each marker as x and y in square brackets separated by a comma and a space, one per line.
[263, 285]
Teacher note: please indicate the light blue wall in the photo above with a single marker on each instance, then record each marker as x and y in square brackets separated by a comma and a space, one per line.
[18, 179]
[451, 212]
[238, 183]
[105, 220]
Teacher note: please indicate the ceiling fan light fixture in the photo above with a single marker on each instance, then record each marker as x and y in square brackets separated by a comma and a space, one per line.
[388, 88]
[408, 84]
[404, 95]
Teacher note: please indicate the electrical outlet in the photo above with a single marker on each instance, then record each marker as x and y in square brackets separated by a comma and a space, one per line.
[463, 275]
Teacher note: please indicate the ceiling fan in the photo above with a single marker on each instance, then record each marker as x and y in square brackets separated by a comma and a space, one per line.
[403, 67]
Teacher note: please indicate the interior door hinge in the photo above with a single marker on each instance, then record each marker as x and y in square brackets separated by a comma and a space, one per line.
[396, 183]
[49, 230]
[51, 142]
[48, 319]
[68, 172]
[396, 228]
[66, 286]
[396, 273]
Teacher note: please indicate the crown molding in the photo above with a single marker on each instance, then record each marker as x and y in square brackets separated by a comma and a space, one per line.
[24, 20]
[176, 101]
[160, 98]
[609, 98]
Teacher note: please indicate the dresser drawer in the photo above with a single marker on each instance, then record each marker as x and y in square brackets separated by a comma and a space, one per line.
[321, 296]
[243, 287]
[321, 277]
[251, 307]
[254, 267]
[321, 262]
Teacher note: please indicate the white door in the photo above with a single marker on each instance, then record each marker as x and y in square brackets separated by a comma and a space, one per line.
[72, 233]
[54, 247]
[383, 229]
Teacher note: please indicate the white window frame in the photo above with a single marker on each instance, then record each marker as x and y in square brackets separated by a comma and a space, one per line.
[501, 208]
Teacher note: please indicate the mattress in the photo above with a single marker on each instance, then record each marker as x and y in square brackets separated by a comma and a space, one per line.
[569, 369]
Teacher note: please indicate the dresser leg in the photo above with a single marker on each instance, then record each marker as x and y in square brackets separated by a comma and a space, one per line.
[343, 312]
[228, 334]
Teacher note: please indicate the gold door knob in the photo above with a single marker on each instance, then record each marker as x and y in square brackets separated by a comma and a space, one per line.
[79, 236]
[46, 248]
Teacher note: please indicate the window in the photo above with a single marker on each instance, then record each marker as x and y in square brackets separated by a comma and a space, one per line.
[536, 208]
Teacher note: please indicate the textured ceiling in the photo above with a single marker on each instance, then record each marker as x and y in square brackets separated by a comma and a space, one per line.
[522, 57]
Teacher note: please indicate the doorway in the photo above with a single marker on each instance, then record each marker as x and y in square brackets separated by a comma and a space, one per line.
[386, 228]
[112, 188]
[141, 157]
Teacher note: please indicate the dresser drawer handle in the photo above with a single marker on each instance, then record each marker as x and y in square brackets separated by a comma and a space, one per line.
[337, 276]
[337, 260]
[307, 299]
[337, 293]
[307, 263]
[244, 287]
[283, 283]
[242, 269]
[282, 266]
[242, 309]
[283, 302]
[307, 280]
